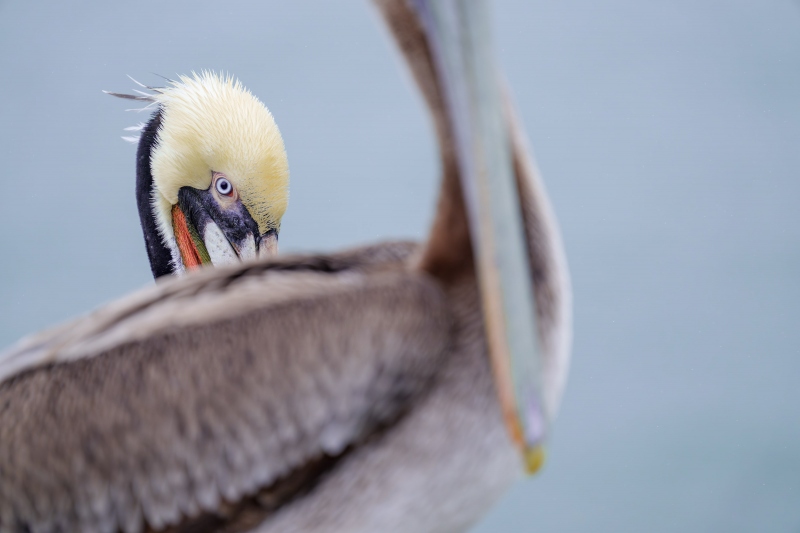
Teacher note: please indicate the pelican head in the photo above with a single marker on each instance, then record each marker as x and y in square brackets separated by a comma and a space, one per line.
[212, 174]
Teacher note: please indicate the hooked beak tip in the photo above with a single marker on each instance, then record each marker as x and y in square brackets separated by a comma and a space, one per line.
[268, 246]
[246, 249]
[534, 459]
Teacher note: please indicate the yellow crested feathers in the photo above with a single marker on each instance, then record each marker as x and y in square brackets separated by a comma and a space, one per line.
[211, 123]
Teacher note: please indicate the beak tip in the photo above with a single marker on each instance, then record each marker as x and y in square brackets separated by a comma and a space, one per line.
[534, 459]
[268, 244]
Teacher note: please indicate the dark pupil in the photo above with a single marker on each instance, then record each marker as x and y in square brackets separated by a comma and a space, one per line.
[224, 186]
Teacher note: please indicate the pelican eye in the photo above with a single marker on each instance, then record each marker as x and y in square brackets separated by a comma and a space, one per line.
[224, 187]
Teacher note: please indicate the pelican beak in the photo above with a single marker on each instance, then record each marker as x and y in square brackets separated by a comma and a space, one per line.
[207, 232]
[459, 40]
[268, 245]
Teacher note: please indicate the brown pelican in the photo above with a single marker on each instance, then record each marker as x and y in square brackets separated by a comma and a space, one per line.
[351, 392]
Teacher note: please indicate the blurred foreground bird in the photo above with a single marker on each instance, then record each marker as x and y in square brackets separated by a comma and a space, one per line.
[350, 392]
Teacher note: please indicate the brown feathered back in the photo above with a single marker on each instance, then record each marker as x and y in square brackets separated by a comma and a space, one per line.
[217, 406]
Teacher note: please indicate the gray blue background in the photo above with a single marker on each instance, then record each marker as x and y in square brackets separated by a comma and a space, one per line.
[668, 134]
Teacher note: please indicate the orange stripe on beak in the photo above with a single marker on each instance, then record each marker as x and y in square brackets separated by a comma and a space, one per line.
[189, 254]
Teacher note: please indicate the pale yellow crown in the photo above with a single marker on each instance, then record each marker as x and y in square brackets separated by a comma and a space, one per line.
[211, 123]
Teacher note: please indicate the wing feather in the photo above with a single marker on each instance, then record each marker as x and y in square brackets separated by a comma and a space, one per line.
[259, 379]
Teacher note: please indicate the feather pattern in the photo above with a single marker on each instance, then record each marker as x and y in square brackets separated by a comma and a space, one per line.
[235, 391]
[140, 96]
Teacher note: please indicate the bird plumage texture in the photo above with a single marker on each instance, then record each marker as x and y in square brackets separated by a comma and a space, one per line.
[220, 403]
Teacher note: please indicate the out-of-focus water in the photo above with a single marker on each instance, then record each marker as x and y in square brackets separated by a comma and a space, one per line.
[669, 137]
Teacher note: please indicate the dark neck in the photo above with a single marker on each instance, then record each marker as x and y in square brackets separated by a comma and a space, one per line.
[159, 255]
